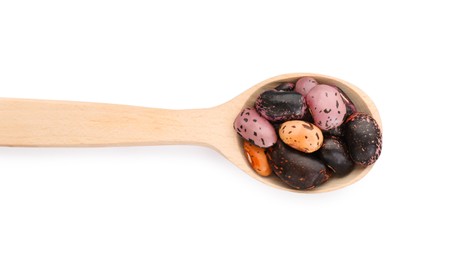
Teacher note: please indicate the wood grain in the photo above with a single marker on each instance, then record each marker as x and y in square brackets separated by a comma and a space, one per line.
[63, 123]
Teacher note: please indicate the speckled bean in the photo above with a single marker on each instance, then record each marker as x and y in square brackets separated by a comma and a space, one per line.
[254, 128]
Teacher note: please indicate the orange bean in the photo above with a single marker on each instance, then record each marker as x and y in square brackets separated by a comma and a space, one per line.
[257, 158]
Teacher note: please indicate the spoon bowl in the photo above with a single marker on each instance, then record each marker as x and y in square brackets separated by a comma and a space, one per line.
[45, 123]
[247, 99]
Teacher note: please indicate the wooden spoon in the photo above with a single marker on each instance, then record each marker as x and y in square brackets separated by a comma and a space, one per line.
[43, 123]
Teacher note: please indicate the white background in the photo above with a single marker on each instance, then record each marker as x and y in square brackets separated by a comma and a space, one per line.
[187, 202]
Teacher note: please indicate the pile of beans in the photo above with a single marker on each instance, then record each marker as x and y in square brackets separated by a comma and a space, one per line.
[306, 132]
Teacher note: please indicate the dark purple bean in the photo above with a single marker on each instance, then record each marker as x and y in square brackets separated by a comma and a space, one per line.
[278, 106]
[364, 138]
[285, 86]
[336, 131]
[335, 155]
[298, 170]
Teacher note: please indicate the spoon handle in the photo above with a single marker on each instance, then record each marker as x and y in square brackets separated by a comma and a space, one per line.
[43, 123]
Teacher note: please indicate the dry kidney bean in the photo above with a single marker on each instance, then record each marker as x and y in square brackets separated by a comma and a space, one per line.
[364, 138]
[278, 106]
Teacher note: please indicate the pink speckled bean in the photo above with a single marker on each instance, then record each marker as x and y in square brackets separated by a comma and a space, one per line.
[304, 85]
[327, 107]
[255, 129]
